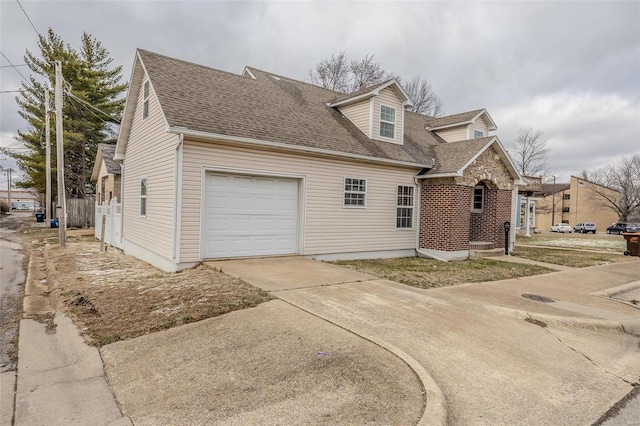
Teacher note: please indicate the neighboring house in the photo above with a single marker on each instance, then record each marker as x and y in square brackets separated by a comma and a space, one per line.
[21, 199]
[106, 174]
[574, 202]
[219, 165]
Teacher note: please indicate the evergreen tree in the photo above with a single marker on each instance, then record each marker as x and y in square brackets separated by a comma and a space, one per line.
[88, 77]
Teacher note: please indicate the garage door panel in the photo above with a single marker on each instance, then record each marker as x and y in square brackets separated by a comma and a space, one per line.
[249, 216]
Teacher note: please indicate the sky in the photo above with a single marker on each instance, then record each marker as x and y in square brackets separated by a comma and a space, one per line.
[570, 69]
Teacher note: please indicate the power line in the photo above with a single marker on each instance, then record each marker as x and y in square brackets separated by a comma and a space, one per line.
[10, 66]
[25, 14]
[71, 95]
[14, 67]
[9, 91]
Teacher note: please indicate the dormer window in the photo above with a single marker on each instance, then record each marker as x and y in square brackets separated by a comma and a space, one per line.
[145, 105]
[477, 134]
[387, 122]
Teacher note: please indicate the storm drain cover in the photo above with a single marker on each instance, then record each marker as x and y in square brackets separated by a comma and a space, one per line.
[538, 298]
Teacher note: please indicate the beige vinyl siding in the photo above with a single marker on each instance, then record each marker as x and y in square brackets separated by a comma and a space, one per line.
[101, 174]
[358, 114]
[481, 125]
[328, 226]
[453, 134]
[150, 153]
[388, 97]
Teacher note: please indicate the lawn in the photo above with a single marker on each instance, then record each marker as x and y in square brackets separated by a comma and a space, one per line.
[599, 242]
[428, 273]
[112, 296]
[571, 258]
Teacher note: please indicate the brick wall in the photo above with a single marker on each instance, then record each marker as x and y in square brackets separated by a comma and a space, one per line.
[489, 225]
[445, 217]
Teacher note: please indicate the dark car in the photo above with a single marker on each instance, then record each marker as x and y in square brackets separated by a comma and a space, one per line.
[620, 227]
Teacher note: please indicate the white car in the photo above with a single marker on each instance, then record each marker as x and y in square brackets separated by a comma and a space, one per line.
[562, 227]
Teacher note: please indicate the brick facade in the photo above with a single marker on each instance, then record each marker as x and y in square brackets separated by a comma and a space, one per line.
[446, 220]
[445, 214]
[489, 225]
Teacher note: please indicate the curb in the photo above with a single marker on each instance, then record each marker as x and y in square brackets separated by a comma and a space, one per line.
[435, 409]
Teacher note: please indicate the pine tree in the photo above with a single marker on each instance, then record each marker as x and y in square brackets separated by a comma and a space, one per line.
[89, 77]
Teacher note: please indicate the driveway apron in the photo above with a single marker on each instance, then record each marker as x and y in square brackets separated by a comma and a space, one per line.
[492, 368]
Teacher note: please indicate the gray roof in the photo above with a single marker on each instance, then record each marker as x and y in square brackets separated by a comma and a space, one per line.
[108, 152]
[279, 109]
[462, 117]
[453, 156]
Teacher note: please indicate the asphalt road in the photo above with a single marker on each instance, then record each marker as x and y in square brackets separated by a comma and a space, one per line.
[12, 277]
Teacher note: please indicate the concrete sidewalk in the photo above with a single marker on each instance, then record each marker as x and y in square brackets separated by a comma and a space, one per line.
[60, 378]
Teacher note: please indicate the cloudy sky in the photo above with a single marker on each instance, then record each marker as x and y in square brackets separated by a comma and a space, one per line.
[570, 69]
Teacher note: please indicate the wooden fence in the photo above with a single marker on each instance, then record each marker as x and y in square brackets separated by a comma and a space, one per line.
[80, 212]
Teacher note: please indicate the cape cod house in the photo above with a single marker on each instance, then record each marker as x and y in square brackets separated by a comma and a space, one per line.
[220, 165]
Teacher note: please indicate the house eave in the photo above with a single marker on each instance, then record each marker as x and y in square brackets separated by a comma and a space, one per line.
[295, 148]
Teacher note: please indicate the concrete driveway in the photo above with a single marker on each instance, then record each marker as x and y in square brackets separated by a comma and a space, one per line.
[498, 358]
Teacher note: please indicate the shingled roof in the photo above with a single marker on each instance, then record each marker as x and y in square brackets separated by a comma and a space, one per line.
[108, 150]
[267, 107]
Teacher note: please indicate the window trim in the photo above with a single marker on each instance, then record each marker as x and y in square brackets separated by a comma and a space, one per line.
[146, 90]
[473, 196]
[143, 212]
[412, 206]
[393, 123]
[478, 131]
[345, 192]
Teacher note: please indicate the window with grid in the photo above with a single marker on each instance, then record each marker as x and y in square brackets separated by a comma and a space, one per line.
[143, 197]
[404, 207]
[477, 199]
[387, 122]
[477, 134]
[355, 191]
[145, 105]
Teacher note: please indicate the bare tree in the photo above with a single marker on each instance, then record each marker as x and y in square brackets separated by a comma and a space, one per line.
[530, 152]
[425, 101]
[332, 73]
[365, 73]
[617, 186]
[339, 74]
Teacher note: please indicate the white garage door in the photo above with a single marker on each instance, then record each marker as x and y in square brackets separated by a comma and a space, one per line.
[249, 216]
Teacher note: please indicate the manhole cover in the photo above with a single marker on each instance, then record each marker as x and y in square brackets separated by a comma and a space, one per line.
[538, 298]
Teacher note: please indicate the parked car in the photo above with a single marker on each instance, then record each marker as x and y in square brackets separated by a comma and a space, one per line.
[585, 227]
[562, 227]
[620, 227]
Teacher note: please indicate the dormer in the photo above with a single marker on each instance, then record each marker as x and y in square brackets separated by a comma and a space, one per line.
[377, 111]
[459, 127]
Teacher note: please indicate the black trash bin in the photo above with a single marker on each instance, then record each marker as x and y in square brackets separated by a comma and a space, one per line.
[633, 243]
[39, 217]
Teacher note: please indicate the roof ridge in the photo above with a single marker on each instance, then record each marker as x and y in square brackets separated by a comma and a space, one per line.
[192, 63]
[294, 80]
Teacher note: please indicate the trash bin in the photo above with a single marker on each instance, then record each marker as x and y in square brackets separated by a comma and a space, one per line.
[633, 243]
[54, 223]
[39, 217]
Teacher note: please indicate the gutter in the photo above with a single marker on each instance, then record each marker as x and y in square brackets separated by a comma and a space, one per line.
[177, 199]
[296, 148]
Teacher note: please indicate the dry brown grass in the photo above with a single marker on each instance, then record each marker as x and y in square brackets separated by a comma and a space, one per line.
[571, 258]
[428, 273]
[113, 297]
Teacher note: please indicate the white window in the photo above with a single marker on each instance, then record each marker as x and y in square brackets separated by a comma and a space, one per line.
[355, 191]
[145, 104]
[404, 207]
[387, 122]
[477, 199]
[143, 197]
[477, 134]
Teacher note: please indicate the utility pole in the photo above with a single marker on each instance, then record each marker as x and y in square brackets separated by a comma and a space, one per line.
[553, 203]
[62, 214]
[47, 131]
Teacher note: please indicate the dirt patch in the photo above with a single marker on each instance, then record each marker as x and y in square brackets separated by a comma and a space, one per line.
[428, 273]
[571, 258]
[114, 297]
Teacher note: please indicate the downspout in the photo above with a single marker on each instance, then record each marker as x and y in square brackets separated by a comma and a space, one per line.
[177, 199]
[121, 204]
